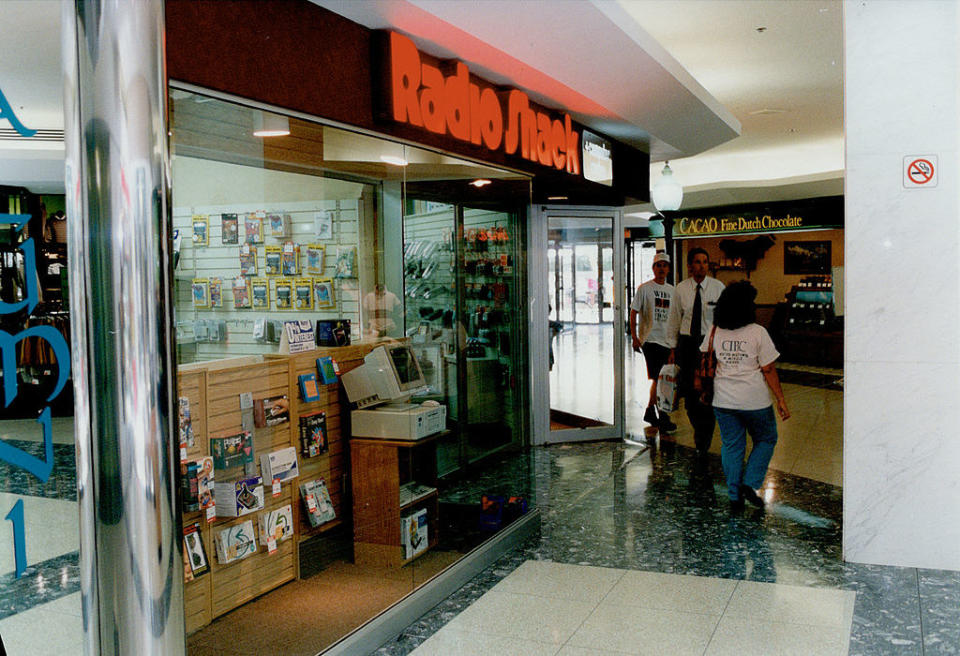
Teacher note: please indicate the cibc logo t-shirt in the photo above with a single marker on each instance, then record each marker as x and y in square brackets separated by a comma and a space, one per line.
[739, 383]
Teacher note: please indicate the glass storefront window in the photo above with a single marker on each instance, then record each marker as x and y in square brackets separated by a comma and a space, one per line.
[372, 243]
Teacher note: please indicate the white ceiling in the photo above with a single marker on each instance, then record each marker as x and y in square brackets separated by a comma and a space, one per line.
[680, 77]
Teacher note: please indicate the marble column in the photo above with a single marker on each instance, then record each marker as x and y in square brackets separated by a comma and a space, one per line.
[902, 353]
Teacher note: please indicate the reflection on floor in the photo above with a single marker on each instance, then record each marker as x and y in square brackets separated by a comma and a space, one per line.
[663, 510]
[306, 616]
[810, 443]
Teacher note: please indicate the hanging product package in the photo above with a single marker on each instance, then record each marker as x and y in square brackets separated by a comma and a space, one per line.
[667, 382]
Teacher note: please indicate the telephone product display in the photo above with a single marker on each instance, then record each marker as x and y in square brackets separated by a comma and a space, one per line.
[238, 498]
[276, 524]
[284, 294]
[280, 465]
[272, 260]
[248, 260]
[216, 293]
[185, 425]
[235, 542]
[317, 503]
[201, 230]
[271, 411]
[414, 533]
[197, 484]
[232, 450]
[253, 227]
[193, 552]
[241, 293]
[229, 229]
[313, 434]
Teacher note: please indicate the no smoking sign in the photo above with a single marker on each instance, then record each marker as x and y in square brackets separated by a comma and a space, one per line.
[920, 171]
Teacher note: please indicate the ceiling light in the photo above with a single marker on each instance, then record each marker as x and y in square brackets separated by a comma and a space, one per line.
[393, 159]
[557, 197]
[766, 111]
[270, 125]
[667, 193]
[480, 182]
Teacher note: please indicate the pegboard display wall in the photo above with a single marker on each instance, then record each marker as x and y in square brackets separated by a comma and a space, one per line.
[209, 332]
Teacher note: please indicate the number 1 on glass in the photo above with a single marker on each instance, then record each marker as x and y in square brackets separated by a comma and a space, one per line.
[19, 544]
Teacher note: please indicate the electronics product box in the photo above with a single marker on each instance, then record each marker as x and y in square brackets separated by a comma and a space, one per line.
[406, 421]
[276, 524]
[413, 532]
[333, 332]
[280, 465]
[232, 450]
[235, 542]
[316, 499]
[238, 498]
[313, 434]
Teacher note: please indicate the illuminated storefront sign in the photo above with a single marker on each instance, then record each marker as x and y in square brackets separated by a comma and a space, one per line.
[689, 227]
[420, 94]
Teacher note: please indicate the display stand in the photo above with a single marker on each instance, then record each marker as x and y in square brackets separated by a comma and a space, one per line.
[379, 467]
[214, 389]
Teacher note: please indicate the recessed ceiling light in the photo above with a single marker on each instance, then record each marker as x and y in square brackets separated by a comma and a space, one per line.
[393, 159]
[270, 125]
[480, 182]
[766, 111]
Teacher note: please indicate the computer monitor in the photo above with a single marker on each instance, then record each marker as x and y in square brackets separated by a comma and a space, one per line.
[389, 373]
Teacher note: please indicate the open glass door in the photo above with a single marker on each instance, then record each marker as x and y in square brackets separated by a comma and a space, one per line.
[583, 272]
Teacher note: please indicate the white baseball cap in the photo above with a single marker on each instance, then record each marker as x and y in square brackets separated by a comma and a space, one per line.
[661, 257]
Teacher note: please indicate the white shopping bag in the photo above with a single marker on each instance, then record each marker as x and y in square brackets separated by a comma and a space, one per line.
[667, 383]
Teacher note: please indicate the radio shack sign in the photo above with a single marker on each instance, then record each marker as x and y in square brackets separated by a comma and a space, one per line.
[446, 100]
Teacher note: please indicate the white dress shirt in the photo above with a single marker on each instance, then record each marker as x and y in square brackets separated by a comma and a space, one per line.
[681, 310]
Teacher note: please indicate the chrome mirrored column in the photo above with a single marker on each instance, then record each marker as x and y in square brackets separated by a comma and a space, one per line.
[120, 275]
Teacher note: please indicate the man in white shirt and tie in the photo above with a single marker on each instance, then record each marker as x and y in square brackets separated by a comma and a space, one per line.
[691, 315]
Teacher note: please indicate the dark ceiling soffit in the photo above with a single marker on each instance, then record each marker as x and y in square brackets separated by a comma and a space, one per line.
[254, 50]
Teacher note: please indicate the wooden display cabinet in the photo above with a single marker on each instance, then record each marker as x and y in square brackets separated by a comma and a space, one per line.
[379, 467]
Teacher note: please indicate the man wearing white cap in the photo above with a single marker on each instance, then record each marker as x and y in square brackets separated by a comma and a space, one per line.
[651, 304]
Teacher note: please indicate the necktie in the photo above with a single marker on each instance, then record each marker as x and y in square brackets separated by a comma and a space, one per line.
[696, 318]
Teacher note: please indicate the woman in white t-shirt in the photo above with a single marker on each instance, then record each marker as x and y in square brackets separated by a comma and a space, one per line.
[744, 378]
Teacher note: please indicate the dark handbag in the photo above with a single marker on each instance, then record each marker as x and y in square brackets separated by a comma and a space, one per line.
[703, 377]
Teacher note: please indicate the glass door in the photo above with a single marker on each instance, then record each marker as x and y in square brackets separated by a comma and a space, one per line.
[462, 285]
[580, 276]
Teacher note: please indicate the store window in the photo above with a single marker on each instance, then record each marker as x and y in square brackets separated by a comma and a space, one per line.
[374, 247]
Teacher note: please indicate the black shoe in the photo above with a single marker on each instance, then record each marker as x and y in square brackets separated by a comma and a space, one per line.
[736, 506]
[667, 426]
[650, 416]
[748, 493]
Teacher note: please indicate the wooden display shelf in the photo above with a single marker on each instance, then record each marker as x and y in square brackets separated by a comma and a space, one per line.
[378, 468]
[214, 389]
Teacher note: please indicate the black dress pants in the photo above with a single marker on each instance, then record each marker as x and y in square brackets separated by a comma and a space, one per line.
[701, 416]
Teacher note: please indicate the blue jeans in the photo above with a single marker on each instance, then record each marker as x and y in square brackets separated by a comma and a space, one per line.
[734, 426]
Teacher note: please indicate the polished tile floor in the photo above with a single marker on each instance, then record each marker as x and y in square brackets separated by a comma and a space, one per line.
[563, 610]
[656, 519]
[810, 443]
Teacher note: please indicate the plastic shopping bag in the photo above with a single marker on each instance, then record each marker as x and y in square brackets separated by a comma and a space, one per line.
[667, 383]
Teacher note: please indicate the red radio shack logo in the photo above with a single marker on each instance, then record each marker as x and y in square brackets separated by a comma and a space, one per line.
[420, 94]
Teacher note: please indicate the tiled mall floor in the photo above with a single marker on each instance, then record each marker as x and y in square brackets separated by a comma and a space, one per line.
[581, 383]
[576, 610]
